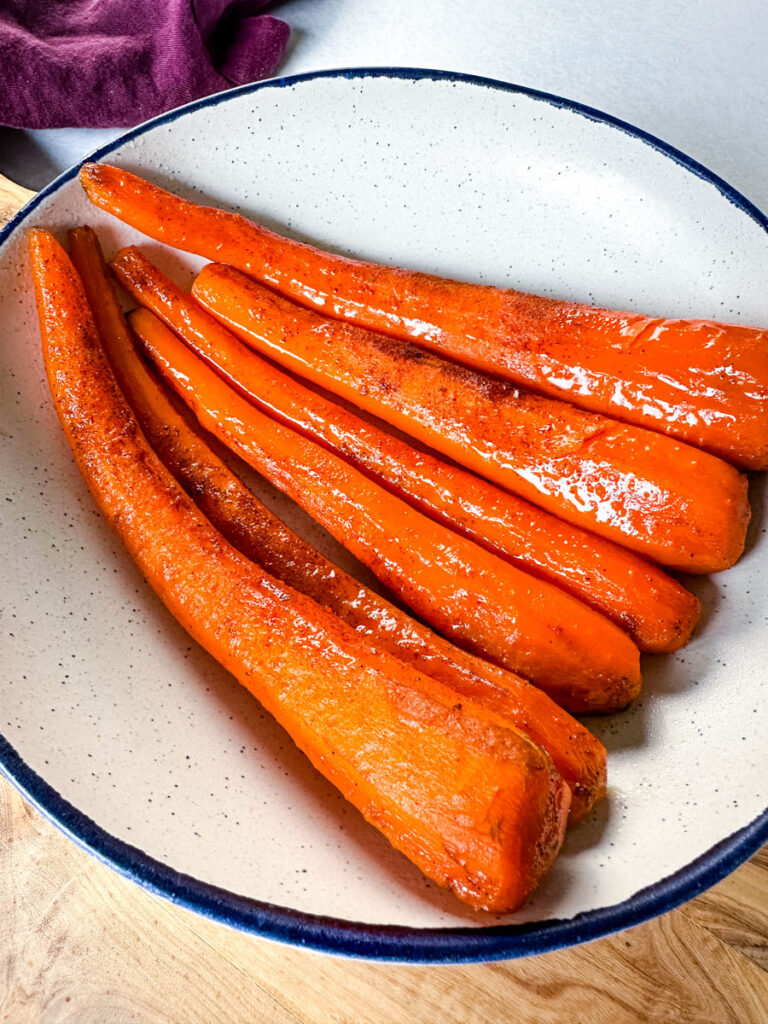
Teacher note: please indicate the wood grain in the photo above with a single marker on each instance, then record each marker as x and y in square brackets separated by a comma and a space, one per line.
[81, 945]
[12, 198]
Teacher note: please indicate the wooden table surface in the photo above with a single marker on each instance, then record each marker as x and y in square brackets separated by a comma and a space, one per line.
[81, 945]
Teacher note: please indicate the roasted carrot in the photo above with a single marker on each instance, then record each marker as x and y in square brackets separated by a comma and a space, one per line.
[698, 380]
[660, 498]
[481, 602]
[470, 800]
[250, 527]
[657, 612]
[665, 500]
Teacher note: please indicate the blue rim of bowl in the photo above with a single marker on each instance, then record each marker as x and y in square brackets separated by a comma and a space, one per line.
[348, 938]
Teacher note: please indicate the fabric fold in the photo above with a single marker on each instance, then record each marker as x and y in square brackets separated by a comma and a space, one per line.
[114, 63]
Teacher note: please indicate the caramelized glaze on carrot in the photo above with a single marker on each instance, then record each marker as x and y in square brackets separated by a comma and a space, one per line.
[698, 380]
[257, 533]
[663, 499]
[475, 804]
[657, 611]
[479, 601]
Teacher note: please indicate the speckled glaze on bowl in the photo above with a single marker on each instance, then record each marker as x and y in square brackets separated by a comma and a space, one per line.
[130, 738]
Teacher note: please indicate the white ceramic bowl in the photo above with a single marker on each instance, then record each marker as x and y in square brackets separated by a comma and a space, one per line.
[128, 736]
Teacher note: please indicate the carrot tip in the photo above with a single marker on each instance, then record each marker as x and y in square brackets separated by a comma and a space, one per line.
[89, 171]
[39, 241]
[126, 252]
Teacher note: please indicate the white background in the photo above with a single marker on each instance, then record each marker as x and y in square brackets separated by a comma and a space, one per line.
[693, 72]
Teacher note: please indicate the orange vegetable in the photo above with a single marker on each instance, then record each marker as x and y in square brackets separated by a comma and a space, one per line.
[481, 602]
[697, 380]
[668, 501]
[253, 529]
[470, 800]
[657, 612]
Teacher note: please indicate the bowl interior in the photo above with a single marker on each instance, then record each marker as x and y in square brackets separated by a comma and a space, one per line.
[105, 696]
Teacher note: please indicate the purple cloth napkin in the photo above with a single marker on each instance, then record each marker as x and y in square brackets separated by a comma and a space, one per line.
[114, 63]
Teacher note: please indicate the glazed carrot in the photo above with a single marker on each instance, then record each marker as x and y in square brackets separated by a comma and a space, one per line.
[697, 380]
[657, 612]
[470, 800]
[663, 499]
[250, 527]
[481, 602]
